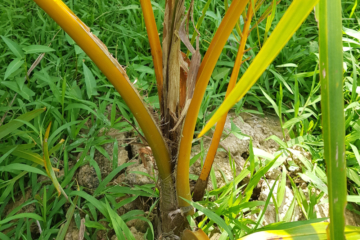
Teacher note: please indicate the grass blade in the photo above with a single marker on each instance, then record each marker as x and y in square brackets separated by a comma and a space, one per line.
[37, 49]
[270, 20]
[261, 215]
[118, 224]
[13, 125]
[28, 155]
[281, 190]
[290, 211]
[287, 225]
[96, 203]
[22, 215]
[3, 157]
[69, 214]
[307, 231]
[13, 66]
[356, 152]
[108, 178]
[296, 120]
[213, 216]
[14, 47]
[256, 178]
[14, 167]
[198, 24]
[353, 9]
[47, 162]
[89, 82]
[3, 236]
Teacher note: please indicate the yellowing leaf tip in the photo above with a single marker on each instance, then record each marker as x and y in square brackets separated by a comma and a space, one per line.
[205, 129]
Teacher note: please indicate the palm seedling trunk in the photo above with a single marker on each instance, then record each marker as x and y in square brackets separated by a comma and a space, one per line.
[181, 84]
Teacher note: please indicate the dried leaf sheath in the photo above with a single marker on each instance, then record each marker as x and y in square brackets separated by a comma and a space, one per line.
[174, 11]
[184, 69]
[166, 43]
[194, 64]
[173, 70]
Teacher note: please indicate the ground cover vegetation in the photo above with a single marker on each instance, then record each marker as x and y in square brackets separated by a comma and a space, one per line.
[53, 119]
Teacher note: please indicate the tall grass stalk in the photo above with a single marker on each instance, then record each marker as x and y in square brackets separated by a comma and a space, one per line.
[332, 105]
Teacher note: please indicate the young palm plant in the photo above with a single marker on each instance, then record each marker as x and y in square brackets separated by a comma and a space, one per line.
[182, 82]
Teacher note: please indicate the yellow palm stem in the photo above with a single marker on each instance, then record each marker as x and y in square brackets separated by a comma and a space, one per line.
[155, 45]
[201, 182]
[289, 23]
[204, 74]
[98, 52]
[220, 126]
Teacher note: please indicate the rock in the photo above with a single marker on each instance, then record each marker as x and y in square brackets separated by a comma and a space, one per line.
[118, 180]
[258, 128]
[135, 149]
[30, 208]
[322, 211]
[216, 236]
[43, 178]
[293, 160]
[136, 178]
[139, 225]
[19, 200]
[87, 177]
[257, 190]
[270, 214]
[102, 234]
[273, 174]
[123, 155]
[72, 232]
[221, 162]
[136, 204]
[352, 218]
[61, 173]
[136, 234]
[104, 163]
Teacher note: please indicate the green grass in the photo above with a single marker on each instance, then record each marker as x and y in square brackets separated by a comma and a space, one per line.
[75, 92]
